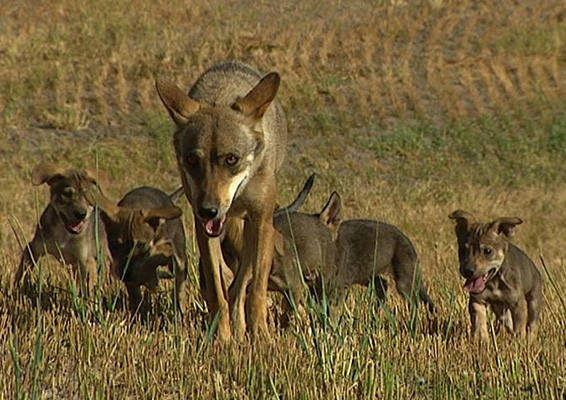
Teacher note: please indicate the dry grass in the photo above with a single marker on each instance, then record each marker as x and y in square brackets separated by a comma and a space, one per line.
[408, 109]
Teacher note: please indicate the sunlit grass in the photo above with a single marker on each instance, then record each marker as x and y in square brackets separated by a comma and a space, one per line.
[409, 110]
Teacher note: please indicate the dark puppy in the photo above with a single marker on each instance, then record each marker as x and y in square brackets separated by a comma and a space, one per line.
[367, 249]
[145, 232]
[68, 228]
[497, 274]
[305, 252]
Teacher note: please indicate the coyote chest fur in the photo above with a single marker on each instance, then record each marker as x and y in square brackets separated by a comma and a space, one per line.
[230, 141]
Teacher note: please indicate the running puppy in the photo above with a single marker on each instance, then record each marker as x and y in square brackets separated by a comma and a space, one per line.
[230, 141]
[145, 232]
[68, 227]
[497, 274]
[367, 249]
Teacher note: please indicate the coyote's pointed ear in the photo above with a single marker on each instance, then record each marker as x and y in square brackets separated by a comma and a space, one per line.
[157, 215]
[256, 102]
[44, 172]
[463, 219]
[331, 214]
[505, 226]
[178, 104]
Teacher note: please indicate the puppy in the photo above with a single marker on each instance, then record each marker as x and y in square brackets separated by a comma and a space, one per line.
[305, 253]
[145, 232]
[367, 249]
[68, 228]
[497, 274]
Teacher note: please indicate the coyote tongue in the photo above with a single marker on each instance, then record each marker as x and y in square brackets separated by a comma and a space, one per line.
[213, 227]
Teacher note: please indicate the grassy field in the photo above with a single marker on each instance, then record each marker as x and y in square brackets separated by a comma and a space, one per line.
[408, 109]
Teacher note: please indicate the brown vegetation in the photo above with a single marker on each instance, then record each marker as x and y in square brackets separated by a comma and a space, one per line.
[408, 109]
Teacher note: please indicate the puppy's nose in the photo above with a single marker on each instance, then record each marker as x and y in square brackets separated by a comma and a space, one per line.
[467, 272]
[80, 214]
[207, 212]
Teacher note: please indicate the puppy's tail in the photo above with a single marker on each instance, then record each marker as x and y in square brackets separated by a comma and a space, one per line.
[176, 195]
[298, 202]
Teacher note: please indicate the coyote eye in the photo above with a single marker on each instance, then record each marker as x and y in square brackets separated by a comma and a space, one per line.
[191, 159]
[232, 160]
[488, 251]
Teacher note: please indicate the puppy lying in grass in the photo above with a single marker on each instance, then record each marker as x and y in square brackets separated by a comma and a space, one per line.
[145, 232]
[498, 274]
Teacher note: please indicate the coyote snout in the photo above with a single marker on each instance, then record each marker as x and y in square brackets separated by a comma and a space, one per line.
[214, 185]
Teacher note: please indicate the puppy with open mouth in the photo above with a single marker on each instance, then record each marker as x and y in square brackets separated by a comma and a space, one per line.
[68, 228]
[498, 274]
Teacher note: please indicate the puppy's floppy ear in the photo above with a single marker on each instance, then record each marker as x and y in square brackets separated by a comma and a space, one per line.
[157, 215]
[256, 102]
[463, 219]
[45, 172]
[505, 226]
[178, 104]
[95, 198]
[331, 214]
[98, 177]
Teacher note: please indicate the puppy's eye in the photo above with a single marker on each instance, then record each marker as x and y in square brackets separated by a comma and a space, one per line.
[488, 251]
[191, 159]
[67, 193]
[231, 160]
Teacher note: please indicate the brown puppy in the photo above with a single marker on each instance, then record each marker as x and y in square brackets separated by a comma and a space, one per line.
[367, 249]
[145, 232]
[230, 142]
[497, 274]
[68, 228]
